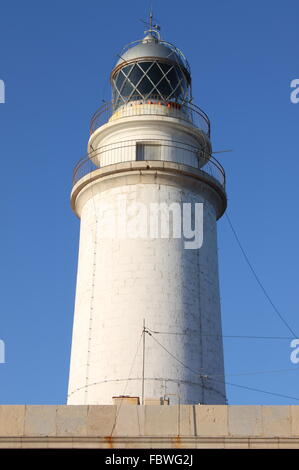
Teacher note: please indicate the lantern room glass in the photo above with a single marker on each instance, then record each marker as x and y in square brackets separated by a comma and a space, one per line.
[155, 80]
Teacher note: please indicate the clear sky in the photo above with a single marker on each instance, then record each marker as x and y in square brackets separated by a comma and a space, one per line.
[55, 61]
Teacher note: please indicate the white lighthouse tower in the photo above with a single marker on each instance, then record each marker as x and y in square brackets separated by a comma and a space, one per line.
[147, 320]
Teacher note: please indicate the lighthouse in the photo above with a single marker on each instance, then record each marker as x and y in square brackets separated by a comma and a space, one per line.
[147, 320]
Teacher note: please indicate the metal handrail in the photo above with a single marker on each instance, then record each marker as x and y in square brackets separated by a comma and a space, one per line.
[184, 111]
[91, 161]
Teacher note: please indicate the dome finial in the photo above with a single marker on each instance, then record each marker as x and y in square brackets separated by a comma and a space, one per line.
[153, 30]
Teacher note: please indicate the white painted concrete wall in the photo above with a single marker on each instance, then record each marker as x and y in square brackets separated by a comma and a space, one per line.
[122, 282]
[116, 141]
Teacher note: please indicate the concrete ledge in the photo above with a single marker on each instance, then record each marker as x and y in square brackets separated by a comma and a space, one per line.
[149, 172]
[133, 426]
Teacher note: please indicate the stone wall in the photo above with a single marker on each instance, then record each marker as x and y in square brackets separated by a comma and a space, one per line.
[131, 426]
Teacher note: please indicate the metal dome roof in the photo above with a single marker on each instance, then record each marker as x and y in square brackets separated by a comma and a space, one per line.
[152, 46]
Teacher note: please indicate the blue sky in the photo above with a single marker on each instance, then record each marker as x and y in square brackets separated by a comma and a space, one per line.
[55, 60]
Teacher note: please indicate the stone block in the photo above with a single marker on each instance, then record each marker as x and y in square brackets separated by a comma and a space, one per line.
[12, 420]
[40, 420]
[276, 421]
[161, 420]
[245, 420]
[186, 424]
[129, 421]
[71, 420]
[295, 420]
[100, 420]
[211, 420]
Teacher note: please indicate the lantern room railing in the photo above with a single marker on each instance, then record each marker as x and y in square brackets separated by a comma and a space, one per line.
[152, 106]
[208, 166]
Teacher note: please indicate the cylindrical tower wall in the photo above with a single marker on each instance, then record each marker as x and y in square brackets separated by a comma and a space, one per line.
[127, 278]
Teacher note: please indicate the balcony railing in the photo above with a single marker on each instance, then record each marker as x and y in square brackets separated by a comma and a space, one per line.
[151, 107]
[126, 151]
